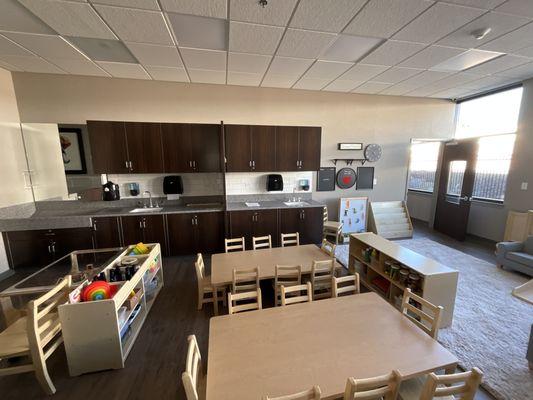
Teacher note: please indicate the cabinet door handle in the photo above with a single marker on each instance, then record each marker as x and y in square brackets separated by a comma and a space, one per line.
[250, 163]
[140, 224]
[253, 164]
[49, 249]
[127, 164]
[192, 221]
[53, 246]
[131, 165]
[194, 164]
[94, 226]
[144, 223]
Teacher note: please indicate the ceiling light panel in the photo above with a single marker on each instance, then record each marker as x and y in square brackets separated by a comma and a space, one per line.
[350, 48]
[468, 59]
[7, 47]
[70, 18]
[342, 85]
[204, 59]
[136, 25]
[278, 12]
[499, 64]
[517, 7]
[46, 46]
[289, 66]
[123, 70]
[304, 44]
[363, 72]
[103, 49]
[207, 76]
[437, 22]
[199, 32]
[244, 78]
[32, 64]
[15, 17]
[311, 84]
[392, 52]
[79, 67]
[515, 40]
[279, 80]
[326, 70]
[371, 87]
[248, 63]
[383, 18]
[171, 74]
[325, 15]
[141, 4]
[498, 23]
[431, 56]
[155, 55]
[397, 74]
[205, 8]
[253, 38]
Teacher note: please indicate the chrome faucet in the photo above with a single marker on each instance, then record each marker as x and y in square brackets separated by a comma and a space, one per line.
[150, 195]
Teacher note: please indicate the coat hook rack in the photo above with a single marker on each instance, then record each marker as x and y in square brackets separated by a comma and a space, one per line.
[349, 161]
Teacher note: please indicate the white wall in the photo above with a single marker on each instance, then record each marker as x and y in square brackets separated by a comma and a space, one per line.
[238, 183]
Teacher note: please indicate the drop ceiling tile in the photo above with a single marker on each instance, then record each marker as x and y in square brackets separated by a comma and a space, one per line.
[32, 64]
[515, 40]
[304, 44]
[173, 74]
[278, 12]
[468, 59]
[205, 8]
[124, 70]
[517, 7]
[311, 84]
[525, 52]
[363, 72]
[103, 49]
[136, 25]
[399, 89]
[415, 82]
[448, 82]
[524, 71]
[199, 32]
[499, 64]
[155, 55]
[253, 38]
[279, 80]
[431, 56]
[9, 67]
[7, 47]
[392, 52]
[325, 15]
[499, 23]
[350, 48]
[485, 4]
[15, 17]
[204, 59]
[371, 87]
[454, 93]
[289, 66]
[326, 70]
[244, 78]
[397, 74]
[342, 85]
[437, 22]
[79, 67]
[69, 18]
[207, 76]
[142, 4]
[47, 46]
[383, 18]
[487, 82]
[248, 63]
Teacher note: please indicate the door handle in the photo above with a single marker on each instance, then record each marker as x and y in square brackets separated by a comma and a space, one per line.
[466, 198]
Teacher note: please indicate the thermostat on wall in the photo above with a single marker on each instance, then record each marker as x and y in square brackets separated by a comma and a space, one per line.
[350, 146]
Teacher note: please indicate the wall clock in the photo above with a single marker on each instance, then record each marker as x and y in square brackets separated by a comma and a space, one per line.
[373, 152]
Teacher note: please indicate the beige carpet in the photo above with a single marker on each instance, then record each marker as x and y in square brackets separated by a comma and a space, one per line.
[491, 327]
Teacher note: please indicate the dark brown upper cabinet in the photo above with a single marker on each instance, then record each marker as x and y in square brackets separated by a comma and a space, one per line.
[125, 147]
[191, 147]
[250, 148]
[298, 148]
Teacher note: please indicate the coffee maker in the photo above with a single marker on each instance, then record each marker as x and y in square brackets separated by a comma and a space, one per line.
[110, 190]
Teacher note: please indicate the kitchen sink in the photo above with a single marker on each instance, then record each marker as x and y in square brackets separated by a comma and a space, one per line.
[295, 203]
[146, 210]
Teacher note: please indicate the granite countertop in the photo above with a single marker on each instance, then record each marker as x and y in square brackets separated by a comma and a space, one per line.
[268, 205]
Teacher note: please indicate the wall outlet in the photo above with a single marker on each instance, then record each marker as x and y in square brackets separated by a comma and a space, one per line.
[523, 186]
[375, 181]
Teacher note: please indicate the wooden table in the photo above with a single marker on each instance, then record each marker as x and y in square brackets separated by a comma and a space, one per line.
[283, 350]
[222, 264]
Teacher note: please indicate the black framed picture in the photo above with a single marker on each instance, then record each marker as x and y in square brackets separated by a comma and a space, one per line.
[72, 150]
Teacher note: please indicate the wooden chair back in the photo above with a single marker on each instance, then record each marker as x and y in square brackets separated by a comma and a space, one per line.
[345, 285]
[312, 394]
[463, 384]
[234, 299]
[384, 387]
[245, 280]
[262, 242]
[325, 215]
[328, 248]
[236, 244]
[299, 298]
[290, 239]
[286, 275]
[321, 274]
[193, 369]
[200, 268]
[428, 318]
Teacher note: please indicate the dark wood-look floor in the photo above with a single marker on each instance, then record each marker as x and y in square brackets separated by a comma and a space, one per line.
[153, 368]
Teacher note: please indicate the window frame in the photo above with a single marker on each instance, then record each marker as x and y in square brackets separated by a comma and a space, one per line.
[437, 167]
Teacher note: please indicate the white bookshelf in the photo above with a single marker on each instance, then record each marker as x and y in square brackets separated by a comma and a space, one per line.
[390, 219]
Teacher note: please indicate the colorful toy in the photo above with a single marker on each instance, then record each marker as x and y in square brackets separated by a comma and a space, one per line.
[140, 248]
[97, 290]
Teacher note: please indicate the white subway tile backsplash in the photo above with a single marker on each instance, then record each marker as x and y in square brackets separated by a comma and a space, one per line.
[255, 182]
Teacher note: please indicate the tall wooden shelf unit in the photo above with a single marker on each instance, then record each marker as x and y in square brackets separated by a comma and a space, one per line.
[438, 282]
[95, 333]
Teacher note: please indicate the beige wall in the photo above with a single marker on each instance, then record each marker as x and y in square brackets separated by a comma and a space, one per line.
[388, 121]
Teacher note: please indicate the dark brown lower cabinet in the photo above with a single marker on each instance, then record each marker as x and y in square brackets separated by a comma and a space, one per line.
[306, 221]
[106, 232]
[195, 233]
[251, 223]
[146, 229]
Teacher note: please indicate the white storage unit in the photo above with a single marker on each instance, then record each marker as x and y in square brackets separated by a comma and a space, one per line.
[390, 219]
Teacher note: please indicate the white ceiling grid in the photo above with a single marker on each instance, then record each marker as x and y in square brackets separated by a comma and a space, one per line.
[389, 47]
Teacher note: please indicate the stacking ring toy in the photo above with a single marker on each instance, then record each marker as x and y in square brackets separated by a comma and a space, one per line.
[98, 290]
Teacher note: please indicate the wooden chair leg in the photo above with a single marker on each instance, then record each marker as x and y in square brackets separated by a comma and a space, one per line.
[200, 299]
[44, 380]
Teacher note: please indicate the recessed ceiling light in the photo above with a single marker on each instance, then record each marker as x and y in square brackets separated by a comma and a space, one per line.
[468, 59]
[350, 48]
[103, 49]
